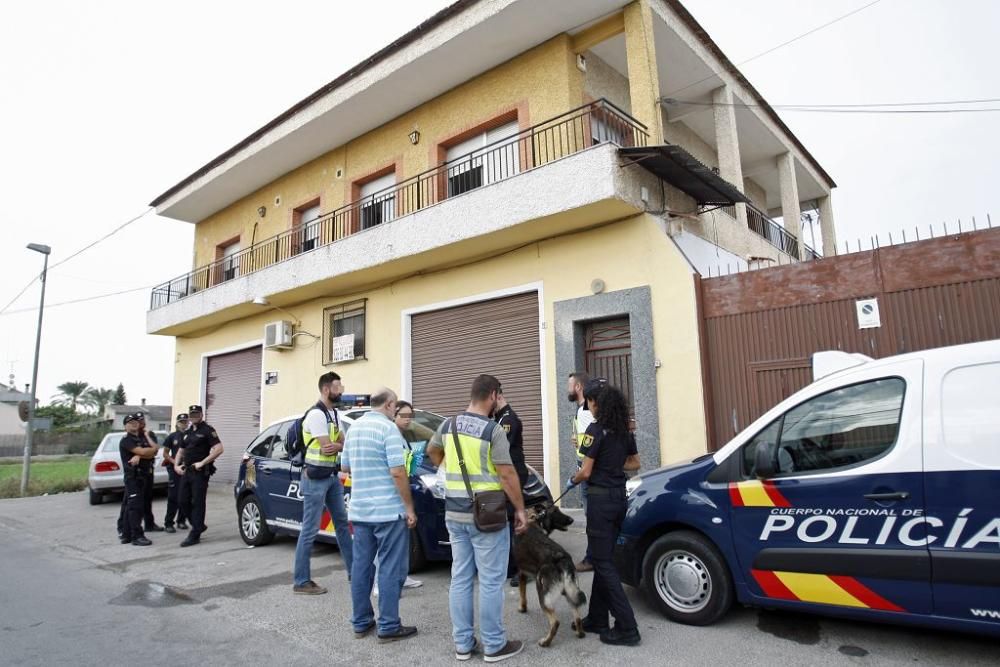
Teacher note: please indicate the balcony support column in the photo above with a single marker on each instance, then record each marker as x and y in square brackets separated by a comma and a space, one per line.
[643, 78]
[826, 226]
[727, 143]
[791, 211]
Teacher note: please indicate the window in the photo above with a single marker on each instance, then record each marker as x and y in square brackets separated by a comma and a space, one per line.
[307, 218]
[262, 443]
[485, 158]
[230, 260]
[378, 201]
[838, 429]
[345, 332]
[278, 450]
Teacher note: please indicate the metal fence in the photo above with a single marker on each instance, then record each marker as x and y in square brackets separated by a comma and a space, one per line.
[586, 126]
[760, 224]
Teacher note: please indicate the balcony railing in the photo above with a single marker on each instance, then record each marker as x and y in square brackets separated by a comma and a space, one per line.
[589, 125]
[771, 231]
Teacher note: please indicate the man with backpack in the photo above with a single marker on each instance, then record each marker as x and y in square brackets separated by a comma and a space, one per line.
[321, 442]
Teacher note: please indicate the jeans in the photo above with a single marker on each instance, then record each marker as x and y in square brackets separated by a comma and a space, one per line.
[474, 551]
[390, 543]
[605, 514]
[317, 494]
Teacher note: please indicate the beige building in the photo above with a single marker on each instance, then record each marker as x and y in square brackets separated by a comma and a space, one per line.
[509, 188]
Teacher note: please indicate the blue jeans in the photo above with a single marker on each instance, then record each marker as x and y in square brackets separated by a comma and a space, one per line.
[390, 542]
[317, 494]
[472, 551]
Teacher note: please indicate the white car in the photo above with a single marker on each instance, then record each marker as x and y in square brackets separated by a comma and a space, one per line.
[105, 473]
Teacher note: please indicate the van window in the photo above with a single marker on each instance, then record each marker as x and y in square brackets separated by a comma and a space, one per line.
[279, 451]
[970, 413]
[841, 428]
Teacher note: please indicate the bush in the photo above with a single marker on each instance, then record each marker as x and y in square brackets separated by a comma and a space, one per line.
[11, 487]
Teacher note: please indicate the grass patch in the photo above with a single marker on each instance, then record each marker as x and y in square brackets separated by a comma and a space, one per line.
[60, 475]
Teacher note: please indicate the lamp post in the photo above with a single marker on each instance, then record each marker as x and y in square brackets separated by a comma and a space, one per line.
[45, 250]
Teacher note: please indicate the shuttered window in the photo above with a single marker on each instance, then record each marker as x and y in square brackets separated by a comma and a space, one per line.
[232, 405]
[499, 337]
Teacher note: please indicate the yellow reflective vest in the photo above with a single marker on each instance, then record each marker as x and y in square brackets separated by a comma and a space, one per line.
[314, 453]
[476, 452]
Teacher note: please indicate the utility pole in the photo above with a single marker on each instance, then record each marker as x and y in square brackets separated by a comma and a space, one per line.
[45, 250]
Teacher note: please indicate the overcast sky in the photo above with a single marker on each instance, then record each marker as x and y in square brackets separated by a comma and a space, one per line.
[105, 105]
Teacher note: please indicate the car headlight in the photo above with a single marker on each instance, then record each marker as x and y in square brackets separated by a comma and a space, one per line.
[631, 486]
[433, 483]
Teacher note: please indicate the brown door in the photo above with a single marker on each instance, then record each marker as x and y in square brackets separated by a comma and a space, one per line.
[232, 405]
[609, 355]
[499, 337]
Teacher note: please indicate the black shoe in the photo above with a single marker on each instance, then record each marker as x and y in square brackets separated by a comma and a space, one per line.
[121, 535]
[190, 541]
[404, 632]
[141, 542]
[515, 581]
[617, 637]
[125, 540]
[154, 529]
[169, 529]
[182, 525]
[594, 627]
[361, 634]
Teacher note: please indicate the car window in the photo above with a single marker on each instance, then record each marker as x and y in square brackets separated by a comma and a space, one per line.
[841, 428]
[111, 441]
[428, 419]
[278, 450]
[262, 443]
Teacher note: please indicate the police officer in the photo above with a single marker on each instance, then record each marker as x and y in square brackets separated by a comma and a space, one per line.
[511, 424]
[609, 448]
[150, 471]
[199, 447]
[170, 446]
[137, 455]
[582, 419]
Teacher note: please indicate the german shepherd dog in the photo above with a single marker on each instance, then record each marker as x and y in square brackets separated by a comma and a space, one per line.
[539, 555]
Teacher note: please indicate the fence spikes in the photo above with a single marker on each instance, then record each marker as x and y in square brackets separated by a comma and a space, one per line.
[989, 221]
[904, 236]
[974, 223]
[890, 238]
[959, 225]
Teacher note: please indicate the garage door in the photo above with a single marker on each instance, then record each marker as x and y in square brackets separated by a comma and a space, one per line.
[232, 405]
[498, 337]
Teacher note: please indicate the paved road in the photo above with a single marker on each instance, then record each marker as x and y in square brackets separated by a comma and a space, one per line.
[71, 594]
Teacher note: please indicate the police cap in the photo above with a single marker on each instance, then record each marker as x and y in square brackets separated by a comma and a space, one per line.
[133, 417]
[594, 387]
[194, 410]
[182, 417]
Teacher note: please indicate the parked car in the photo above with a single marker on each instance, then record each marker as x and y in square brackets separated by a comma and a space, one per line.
[870, 494]
[105, 473]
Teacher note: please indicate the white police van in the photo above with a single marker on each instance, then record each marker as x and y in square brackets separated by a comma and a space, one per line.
[873, 494]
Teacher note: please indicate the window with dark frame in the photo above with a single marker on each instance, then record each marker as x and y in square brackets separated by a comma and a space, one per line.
[344, 320]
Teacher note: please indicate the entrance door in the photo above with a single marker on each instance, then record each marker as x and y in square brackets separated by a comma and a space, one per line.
[608, 354]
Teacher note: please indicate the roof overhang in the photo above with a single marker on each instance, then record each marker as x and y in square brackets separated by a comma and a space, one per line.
[677, 167]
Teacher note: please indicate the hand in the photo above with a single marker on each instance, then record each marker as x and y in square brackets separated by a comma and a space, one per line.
[329, 449]
[199, 465]
[179, 469]
[570, 483]
[520, 522]
[134, 461]
[411, 518]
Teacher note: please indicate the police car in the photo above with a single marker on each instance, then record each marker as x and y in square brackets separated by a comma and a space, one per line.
[269, 501]
[871, 494]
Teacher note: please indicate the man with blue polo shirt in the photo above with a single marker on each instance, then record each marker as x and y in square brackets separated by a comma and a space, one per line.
[382, 515]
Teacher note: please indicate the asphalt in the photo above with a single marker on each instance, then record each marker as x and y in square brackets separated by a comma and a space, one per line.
[71, 594]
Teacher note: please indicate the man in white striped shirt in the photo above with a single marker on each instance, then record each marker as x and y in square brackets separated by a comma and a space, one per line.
[382, 513]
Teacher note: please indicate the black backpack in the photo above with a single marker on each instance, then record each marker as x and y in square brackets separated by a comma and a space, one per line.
[295, 443]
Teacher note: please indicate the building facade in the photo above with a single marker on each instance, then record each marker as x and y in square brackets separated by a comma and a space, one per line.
[505, 189]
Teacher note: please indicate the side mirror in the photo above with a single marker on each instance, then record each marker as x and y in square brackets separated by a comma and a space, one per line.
[764, 463]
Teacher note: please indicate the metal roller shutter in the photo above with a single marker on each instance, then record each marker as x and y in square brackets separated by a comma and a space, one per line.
[232, 405]
[499, 337]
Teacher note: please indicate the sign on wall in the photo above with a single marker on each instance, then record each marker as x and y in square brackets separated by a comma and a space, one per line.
[343, 348]
[271, 377]
[868, 315]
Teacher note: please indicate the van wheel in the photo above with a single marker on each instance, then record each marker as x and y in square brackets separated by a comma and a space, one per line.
[686, 578]
[96, 497]
[253, 525]
[418, 559]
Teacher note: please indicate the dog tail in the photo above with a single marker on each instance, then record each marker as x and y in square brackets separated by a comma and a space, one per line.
[576, 597]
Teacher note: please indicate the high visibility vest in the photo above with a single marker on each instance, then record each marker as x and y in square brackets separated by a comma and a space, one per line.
[314, 454]
[478, 463]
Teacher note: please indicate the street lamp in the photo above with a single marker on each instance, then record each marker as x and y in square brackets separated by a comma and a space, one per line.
[45, 250]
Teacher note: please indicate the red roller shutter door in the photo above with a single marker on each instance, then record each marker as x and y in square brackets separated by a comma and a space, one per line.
[232, 405]
[499, 337]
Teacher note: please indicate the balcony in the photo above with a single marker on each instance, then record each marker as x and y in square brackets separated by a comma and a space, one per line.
[760, 224]
[587, 126]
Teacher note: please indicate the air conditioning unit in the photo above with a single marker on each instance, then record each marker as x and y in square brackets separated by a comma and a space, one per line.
[278, 335]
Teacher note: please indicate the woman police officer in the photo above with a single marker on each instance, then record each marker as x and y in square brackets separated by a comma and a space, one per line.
[610, 449]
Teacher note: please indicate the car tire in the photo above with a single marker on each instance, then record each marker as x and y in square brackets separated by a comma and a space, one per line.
[96, 497]
[687, 579]
[252, 522]
[418, 559]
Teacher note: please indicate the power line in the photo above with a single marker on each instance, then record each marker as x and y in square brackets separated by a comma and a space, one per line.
[671, 100]
[19, 295]
[783, 44]
[833, 108]
[82, 300]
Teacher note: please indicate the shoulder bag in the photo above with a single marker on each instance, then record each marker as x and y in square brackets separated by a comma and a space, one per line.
[489, 508]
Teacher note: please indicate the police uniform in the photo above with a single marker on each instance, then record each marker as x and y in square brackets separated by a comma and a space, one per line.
[197, 443]
[605, 514]
[172, 443]
[150, 471]
[135, 483]
[508, 420]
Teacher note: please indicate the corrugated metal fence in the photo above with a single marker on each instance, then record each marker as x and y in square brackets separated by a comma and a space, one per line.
[761, 328]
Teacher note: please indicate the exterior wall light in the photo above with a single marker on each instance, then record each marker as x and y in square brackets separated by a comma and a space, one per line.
[415, 137]
[262, 211]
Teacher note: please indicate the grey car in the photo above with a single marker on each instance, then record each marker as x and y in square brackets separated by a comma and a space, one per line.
[105, 473]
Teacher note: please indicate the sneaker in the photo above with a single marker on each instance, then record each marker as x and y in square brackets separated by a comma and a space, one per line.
[412, 583]
[309, 588]
[169, 529]
[467, 655]
[404, 632]
[617, 637]
[362, 633]
[584, 566]
[141, 542]
[509, 650]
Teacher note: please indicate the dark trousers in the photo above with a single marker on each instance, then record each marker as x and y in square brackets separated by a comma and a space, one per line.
[173, 499]
[135, 490]
[147, 499]
[193, 491]
[605, 514]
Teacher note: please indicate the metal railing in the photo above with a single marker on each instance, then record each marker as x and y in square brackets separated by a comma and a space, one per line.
[760, 224]
[586, 126]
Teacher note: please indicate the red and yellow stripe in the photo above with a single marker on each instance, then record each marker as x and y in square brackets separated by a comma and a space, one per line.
[756, 493]
[326, 522]
[821, 589]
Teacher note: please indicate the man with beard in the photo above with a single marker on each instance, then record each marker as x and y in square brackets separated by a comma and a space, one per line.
[581, 420]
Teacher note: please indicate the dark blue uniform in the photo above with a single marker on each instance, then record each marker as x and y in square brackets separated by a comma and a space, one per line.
[135, 486]
[605, 514]
[197, 443]
[173, 442]
[508, 420]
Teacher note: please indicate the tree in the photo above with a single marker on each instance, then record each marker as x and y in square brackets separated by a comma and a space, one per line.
[120, 398]
[71, 394]
[61, 415]
[98, 398]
